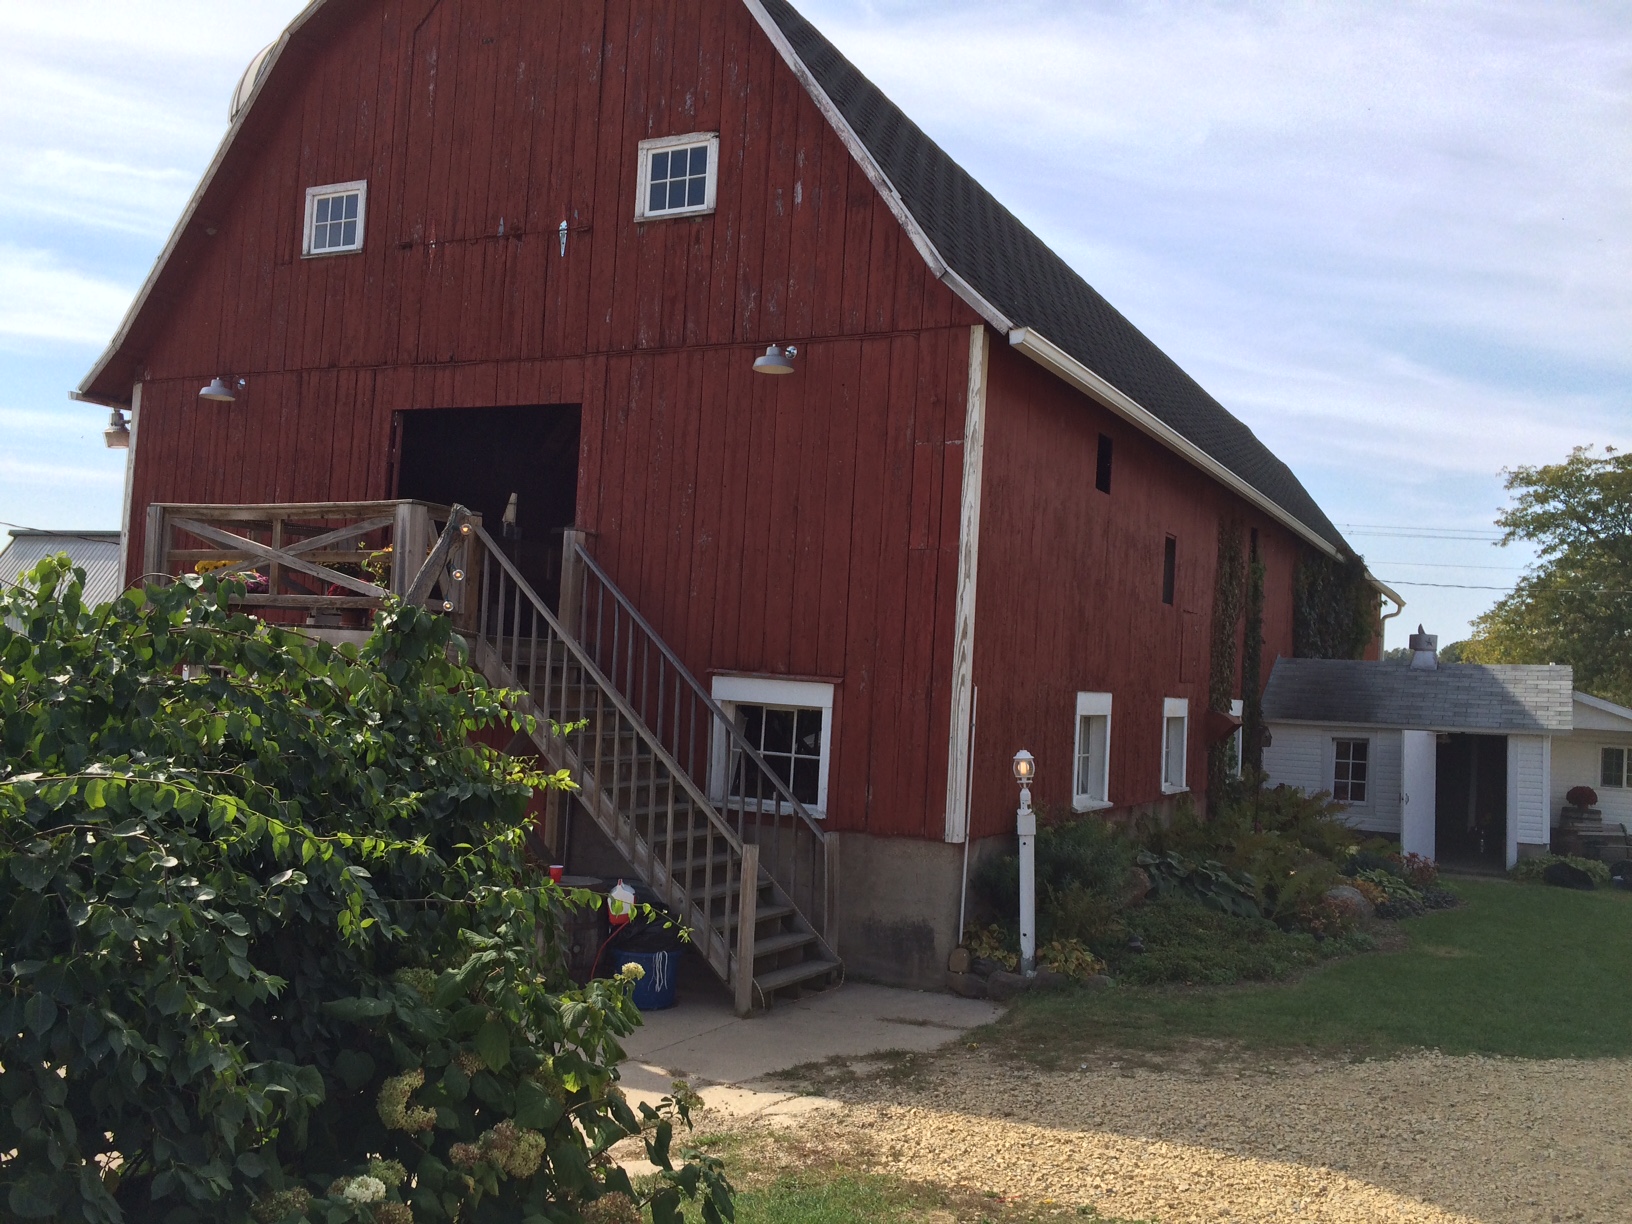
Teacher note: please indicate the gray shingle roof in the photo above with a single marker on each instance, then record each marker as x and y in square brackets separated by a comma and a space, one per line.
[1013, 269]
[97, 552]
[1456, 697]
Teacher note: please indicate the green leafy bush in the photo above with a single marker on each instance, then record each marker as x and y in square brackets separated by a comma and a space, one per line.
[1186, 942]
[270, 953]
[1530, 870]
[1083, 867]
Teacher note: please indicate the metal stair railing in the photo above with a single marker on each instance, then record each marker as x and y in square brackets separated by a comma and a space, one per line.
[757, 802]
[637, 791]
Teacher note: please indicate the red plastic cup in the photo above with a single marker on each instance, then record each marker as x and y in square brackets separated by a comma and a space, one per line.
[556, 871]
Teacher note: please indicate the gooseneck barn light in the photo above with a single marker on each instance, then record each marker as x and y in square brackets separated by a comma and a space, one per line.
[1025, 824]
[219, 392]
[117, 434]
[776, 360]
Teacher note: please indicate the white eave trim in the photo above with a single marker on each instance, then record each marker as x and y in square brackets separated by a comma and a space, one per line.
[1055, 359]
[875, 173]
[189, 213]
[1602, 706]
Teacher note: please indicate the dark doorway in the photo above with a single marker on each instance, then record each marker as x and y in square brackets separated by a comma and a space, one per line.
[1470, 802]
[478, 457]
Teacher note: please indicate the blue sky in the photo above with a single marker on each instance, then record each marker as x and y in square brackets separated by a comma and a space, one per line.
[1396, 239]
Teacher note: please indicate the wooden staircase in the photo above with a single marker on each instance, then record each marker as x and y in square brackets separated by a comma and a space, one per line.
[654, 757]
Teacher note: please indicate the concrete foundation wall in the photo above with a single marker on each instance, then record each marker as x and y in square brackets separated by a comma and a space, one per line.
[897, 905]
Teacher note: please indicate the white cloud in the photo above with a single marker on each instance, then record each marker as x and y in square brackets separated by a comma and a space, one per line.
[59, 475]
[41, 299]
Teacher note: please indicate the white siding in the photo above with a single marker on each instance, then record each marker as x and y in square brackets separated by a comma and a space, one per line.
[1576, 763]
[1301, 756]
[1527, 797]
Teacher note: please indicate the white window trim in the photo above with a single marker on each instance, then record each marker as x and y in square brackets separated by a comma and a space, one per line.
[1625, 751]
[313, 194]
[1091, 705]
[729, 691]
[1176, 707]
[1371, 771]
[644, 179]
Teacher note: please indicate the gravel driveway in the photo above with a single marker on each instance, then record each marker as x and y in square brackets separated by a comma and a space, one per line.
[1424, 1138]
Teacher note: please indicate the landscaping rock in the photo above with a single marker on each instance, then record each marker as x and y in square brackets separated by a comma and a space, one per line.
[1004, 985]
[1138, 888]
[967, 985]
[1099, 981]
[984, 967]
[1620, 874]
[1350, 899]
[959, 961]
[1048, 979]
[1567, 875]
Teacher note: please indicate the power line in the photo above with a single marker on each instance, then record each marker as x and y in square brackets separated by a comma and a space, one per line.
[1512, 569]
[1463, 586]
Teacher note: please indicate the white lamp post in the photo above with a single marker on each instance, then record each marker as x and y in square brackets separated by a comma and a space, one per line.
[1025, 824]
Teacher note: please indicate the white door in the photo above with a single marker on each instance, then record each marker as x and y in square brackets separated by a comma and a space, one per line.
[1418, 778]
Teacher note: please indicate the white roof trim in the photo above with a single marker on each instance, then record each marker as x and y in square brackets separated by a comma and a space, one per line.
[1602, 706]
[875, 172]
[1055, 359]
[190, 212]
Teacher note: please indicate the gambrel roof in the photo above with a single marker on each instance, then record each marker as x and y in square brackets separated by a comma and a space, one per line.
[976, 246]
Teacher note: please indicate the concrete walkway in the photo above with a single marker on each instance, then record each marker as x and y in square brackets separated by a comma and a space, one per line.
[702, 1041]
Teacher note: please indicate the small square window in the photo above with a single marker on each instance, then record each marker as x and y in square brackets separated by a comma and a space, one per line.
[1175, 746]
[789, 723]
[1090, 787]
[1612, 767]
[334, 218]
[677, 176]
[1351, 770]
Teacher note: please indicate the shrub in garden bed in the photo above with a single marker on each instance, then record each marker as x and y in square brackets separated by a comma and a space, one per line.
[1186, 942]
[1531, 870]
[271, 952]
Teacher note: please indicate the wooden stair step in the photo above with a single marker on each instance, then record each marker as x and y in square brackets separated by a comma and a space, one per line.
[781, 979]
[764, 913]
[774, 944]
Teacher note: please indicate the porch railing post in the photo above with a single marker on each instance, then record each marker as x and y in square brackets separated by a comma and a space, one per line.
[747, 915]
[572, 581]
[155, 548]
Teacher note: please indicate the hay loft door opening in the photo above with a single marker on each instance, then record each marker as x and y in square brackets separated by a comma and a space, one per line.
[481, 457]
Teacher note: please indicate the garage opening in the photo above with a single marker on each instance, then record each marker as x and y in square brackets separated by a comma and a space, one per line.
[1470, 802]
[481, 458]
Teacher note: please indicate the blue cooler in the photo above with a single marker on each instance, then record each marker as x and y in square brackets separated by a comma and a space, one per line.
[655, 991]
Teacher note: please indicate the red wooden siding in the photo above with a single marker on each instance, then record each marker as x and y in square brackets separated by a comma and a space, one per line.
[805, 525]
[1070, 592]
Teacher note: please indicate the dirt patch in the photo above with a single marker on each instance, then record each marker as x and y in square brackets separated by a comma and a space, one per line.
[1425, 1139]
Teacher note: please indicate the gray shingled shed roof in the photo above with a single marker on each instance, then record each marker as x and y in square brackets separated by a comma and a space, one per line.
[96, 552]
[1455, 697]
[994, 252]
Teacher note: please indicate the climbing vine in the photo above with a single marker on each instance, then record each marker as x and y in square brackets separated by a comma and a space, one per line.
[1228, 598]
[1334, 607]
[1252, 668]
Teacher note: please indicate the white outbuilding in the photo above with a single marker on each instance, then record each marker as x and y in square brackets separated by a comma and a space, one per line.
[1465, 763]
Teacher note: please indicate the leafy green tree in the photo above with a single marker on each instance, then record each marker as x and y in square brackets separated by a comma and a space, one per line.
[270, 953]
[1575, 605]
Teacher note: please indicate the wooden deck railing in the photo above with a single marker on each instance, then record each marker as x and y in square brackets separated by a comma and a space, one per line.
[316, 557]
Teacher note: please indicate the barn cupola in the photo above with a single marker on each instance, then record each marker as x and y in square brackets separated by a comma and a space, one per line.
[251, 78]
[1424, 651]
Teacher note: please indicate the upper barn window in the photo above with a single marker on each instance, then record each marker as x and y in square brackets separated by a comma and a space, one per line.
[678, 175]
[334, 218]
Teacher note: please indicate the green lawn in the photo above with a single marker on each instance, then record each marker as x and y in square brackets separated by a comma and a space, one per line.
[1521, 970]
[829, 1196]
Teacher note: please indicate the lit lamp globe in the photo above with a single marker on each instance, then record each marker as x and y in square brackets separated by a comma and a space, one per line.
[1025, 767]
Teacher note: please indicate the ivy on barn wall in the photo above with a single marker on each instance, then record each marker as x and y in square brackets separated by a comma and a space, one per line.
[1229, 596]
[1252, 667]
[1334, 607]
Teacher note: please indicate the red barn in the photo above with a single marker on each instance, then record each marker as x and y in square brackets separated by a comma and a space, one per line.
[529, 259]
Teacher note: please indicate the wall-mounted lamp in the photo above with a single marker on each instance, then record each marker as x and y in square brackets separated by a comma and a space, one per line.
[220, 392]
[117, 434]
[776, 360]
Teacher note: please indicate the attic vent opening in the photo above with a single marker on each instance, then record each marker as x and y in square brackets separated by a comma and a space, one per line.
[1102, 467]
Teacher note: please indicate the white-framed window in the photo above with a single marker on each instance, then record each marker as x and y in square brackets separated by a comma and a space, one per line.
[678, 176]
[335, 217]
[1612, 767]
[1175, 744]
[1351, 771]
[1236, 746]
[1091, 779]
[790, 724]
